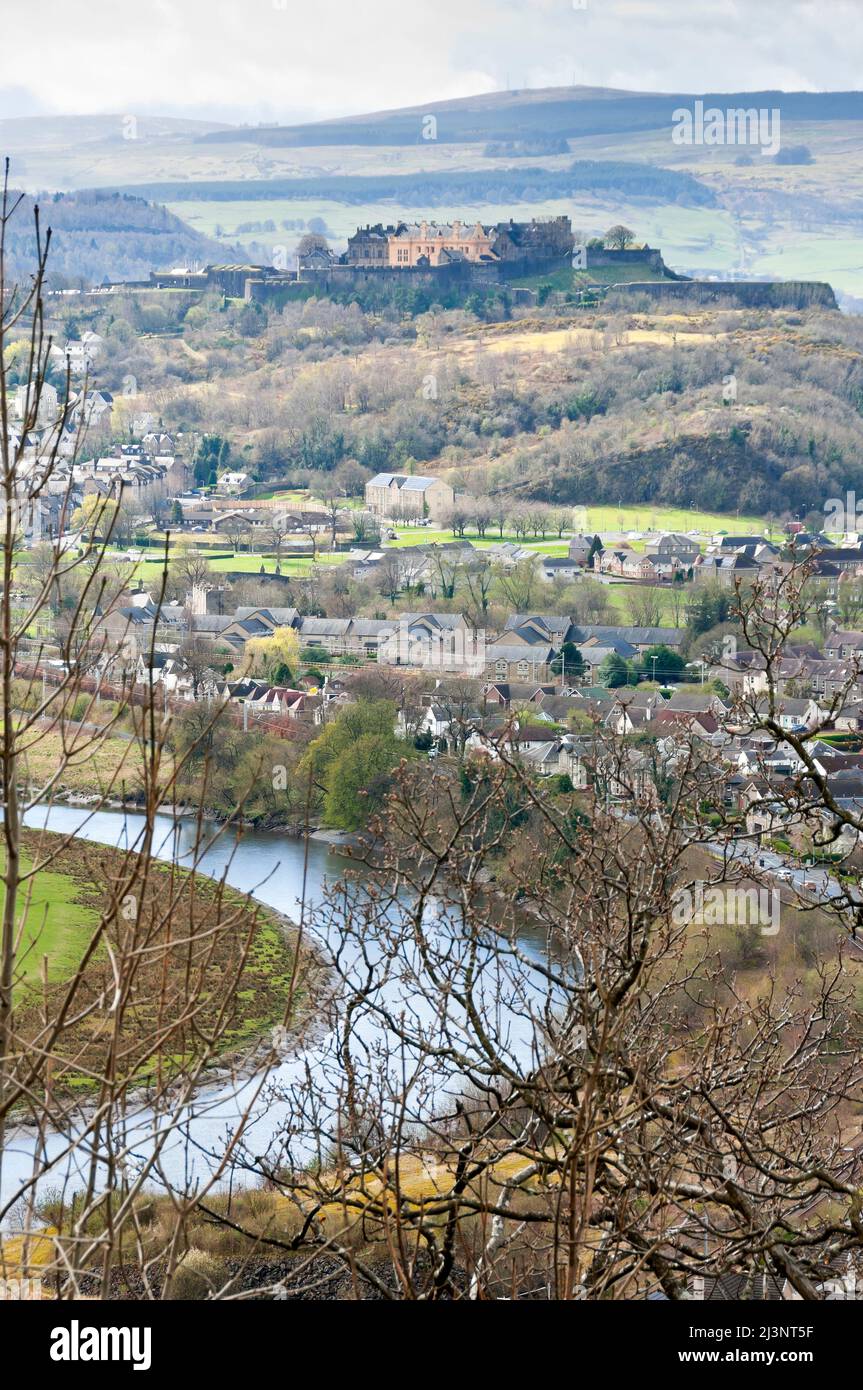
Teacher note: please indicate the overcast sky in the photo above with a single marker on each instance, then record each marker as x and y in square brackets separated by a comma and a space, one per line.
[284, 60]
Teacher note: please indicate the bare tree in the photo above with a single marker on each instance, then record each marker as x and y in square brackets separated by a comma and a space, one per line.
[518, 584]
[522, 1130]
[645, 605]
[197, 656]
[478, 580]
[128, 1023]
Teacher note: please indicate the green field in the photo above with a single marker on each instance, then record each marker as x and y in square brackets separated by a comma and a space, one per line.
[148, 565]
[647, 518]
[619, 596]
[425, 535]
[57, 924]
[605, 521]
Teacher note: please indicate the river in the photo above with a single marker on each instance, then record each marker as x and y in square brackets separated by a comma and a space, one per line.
[281, 872]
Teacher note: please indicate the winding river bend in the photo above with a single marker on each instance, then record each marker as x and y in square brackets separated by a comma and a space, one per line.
[281, 872]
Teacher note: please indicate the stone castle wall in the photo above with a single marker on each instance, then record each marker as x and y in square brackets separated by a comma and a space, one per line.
[750, 294]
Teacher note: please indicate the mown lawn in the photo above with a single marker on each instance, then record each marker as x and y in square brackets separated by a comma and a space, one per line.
[603, 520]
[647, 518]
[57, 923]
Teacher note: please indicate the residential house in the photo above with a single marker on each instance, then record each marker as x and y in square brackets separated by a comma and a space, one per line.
[442, 641]
[726, 569]
[594, 652]
[580, 547]
[40, 397]
[702, 723]
[641, 638]
[533, 628]
[844, 646]
[233, 484]
[672, 551]
[631, 709]
[509, 693]
[627, 564]
[508, 660]
[552, 568]
[695, 702]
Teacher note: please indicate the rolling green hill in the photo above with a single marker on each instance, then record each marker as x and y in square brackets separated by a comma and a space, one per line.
[571, 112]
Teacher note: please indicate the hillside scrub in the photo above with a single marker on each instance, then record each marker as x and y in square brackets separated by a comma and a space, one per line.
[622, 405]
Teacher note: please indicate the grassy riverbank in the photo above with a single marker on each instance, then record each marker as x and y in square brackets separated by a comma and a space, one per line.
[211, 970]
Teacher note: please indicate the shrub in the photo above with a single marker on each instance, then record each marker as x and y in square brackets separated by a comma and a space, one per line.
[316, 655]
[196, 1277]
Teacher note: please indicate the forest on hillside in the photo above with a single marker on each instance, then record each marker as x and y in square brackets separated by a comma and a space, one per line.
[450, 188]
[630, 405]
[100, 235]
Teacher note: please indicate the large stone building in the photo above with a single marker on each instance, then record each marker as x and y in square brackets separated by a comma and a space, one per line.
[400, 494]
[369, 246]
[543, 238]
[410, 245]
[431, 243]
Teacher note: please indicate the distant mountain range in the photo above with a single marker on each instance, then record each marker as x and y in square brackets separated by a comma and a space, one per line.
[571, 112]
[598, 155]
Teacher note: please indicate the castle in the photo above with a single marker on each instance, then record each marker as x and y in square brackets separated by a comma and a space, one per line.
[466, 256]
[408, 245]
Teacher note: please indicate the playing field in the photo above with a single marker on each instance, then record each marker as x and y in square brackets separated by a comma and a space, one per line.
[605, 521]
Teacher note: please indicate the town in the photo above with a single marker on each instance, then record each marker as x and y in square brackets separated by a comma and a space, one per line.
[485, 641]
[431, 675]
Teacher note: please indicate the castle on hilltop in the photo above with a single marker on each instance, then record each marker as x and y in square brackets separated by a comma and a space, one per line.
[460, 258]
[407, 245]
[422, 254]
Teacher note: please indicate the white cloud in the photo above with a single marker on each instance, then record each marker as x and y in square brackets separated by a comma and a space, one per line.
[254, 60]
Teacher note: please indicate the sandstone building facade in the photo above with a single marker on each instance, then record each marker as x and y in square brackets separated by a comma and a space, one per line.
[400, 494]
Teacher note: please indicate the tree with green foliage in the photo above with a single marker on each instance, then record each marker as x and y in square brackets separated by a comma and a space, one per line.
[710, 605]
[569, 661]
[661, 663]
[211, 454]
[358, 779]
[614, 671]
[350, 761]
[276, 656]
